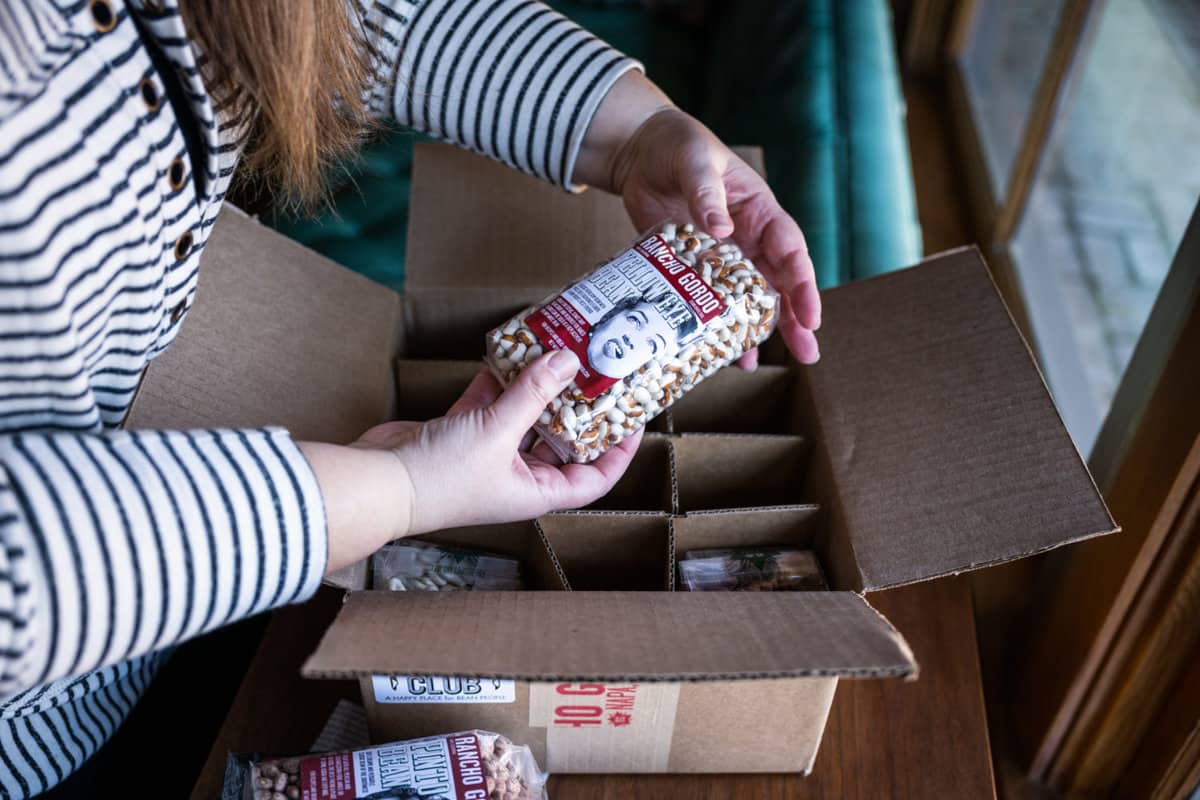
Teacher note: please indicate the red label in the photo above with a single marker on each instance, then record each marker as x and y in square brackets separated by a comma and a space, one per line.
[467, 765]
[328, 777]
[687, 282]
[642, 305]
[559, 326]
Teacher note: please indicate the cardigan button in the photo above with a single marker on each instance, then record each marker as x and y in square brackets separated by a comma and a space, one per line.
[177, 312]
[102, 15]
[150, 95]
[176, 174]
[183, 246]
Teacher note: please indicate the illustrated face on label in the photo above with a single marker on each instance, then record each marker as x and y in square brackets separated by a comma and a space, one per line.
[629, 337]
[644, 304]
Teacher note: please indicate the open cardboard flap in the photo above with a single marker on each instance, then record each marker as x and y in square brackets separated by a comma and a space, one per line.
[279, 335]
[610, 636]
[945, 450]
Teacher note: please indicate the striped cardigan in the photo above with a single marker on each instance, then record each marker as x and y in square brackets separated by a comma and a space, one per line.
[115, 545]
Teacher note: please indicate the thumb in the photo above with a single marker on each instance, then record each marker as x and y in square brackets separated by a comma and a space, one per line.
[518, 407]
[705, 190]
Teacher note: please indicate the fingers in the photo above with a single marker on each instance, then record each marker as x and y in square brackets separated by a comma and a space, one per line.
[779, 250]
[749, 360]
[801, 341]
[791, 267]
[480, 393]
[806, 300]
[575, 485]
[518, 407]
[704, 186]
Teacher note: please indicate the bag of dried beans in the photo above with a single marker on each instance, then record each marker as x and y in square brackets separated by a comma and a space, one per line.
[648, 325]
[469, 765]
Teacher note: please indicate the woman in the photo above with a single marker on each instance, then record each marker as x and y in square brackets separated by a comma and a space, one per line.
[121, 124]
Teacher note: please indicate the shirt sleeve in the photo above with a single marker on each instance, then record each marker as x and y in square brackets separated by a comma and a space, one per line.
[513, 79]
[117, 544]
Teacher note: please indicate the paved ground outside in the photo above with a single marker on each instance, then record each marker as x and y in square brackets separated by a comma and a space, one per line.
[1117, 187]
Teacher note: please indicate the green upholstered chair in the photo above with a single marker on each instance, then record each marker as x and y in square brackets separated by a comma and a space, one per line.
[814, 82]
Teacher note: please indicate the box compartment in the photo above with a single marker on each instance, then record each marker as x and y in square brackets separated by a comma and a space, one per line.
[722, 471]
[736, 401]
[540, 569]
[648, 484]
[786, 526]
[610, 551]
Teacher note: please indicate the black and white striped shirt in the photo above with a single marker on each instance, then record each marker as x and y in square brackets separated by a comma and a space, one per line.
[115, 544]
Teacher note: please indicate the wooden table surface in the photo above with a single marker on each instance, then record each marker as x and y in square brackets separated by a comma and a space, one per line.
[885, 738]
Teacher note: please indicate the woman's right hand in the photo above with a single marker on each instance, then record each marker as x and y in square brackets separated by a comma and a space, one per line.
[466, 468]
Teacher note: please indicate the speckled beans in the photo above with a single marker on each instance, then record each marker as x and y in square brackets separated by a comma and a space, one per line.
[277, 780]
[471, 765]
[649, 326]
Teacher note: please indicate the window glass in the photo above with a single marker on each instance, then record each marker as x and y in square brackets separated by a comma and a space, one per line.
[1005, 51]
[1112, 198]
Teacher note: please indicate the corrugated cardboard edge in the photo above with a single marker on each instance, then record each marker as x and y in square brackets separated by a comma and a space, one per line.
[558, 567]
[673, 473]
[716, 512]
[672, 565]
[799, 438]
[624, 639]
[856, 673]
[900, 642]
[605, 512]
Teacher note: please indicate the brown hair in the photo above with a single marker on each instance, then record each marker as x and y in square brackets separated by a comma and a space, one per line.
[292, 73]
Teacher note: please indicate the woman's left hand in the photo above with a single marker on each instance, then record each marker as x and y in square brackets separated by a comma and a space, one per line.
[666, 165]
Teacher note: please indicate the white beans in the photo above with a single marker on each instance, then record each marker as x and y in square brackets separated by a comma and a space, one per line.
[581, 429]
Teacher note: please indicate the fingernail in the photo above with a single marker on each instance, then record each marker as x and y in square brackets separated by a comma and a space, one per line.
[714, 220]
[564, 364]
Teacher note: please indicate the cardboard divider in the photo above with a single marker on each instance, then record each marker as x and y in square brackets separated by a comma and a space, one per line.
[426, 389]
[610, 550]
[663, 423]
[540, 569]
[736, 401]
[649, 482]
[738, 471]
[790, 526]
[774, 352]
[450, 323]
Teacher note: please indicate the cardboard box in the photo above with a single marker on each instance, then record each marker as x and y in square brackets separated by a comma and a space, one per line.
[924, 444]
